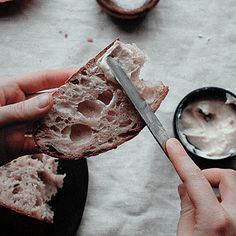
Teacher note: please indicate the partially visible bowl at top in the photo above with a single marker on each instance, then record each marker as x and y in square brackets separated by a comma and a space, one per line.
[129, 10]
[205, 124]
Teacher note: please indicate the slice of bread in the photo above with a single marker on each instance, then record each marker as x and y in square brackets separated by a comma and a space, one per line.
[28, 183]
[91, 112]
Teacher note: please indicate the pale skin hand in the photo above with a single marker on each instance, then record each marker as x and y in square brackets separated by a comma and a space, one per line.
[20, 106]
[202, 213]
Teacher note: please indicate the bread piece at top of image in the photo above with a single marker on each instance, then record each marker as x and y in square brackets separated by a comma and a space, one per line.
[91, 112]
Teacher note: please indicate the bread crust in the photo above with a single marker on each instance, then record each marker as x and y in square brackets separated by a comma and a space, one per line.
[26, 213]
[83, 71]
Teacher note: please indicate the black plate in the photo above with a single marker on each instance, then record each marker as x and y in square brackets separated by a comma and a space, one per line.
[68, 206]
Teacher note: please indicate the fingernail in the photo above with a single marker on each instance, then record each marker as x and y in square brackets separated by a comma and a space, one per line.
[42, 100]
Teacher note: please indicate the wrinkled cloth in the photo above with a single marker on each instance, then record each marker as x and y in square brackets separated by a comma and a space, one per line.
[190, 44]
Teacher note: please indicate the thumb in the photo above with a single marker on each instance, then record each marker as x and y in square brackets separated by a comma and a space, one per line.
[27, 110]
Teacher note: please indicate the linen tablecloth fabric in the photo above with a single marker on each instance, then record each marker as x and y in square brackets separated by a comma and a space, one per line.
[190, 44]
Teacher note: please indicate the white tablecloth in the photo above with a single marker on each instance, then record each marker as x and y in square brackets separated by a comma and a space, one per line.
[133, 189]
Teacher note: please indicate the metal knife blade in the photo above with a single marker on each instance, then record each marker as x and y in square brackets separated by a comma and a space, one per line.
[152, 122]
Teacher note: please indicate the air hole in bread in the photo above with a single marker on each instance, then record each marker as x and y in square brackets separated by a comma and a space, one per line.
[134, 126]
[125, 123]
[15, 185]
[41, 176]
[18, 178]
[16, 190]
[75, 81]
[53, 127]
[80, 132]
[84, 72]
[67, 121]
[127, 134]
[106, 97]
[111, 113]
[110, 140]
[89, 108]
[66, 131]
[58, 119]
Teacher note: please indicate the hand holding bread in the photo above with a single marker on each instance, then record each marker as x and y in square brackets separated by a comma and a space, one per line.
[20, 106]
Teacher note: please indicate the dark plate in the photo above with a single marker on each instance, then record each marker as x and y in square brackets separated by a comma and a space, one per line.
[68, 206]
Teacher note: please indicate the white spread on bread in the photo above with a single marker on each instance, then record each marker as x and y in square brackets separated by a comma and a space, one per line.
[210, 126]
[129, 56]
[131, 59]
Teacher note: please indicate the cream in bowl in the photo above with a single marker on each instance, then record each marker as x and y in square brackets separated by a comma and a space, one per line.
[205, 123]
[127, 9]
[129, 5]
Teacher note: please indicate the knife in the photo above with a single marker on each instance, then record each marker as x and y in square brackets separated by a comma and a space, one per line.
[152, 122]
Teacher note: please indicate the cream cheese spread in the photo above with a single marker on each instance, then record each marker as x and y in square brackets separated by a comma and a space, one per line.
[129, 56]
[210, 127]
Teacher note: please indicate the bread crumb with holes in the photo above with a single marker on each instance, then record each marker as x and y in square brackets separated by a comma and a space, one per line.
[28, 184]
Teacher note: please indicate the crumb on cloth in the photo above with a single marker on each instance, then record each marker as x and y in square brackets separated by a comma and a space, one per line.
[65, 34]
[90, 40]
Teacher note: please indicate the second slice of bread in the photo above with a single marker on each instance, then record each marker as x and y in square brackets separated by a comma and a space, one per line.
[28, 183]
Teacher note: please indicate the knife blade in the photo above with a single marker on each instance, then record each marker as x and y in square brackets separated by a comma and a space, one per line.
[152, 122]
